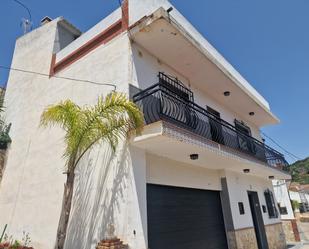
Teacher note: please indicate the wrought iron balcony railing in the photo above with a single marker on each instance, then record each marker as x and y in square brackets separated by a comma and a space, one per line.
[163, 102]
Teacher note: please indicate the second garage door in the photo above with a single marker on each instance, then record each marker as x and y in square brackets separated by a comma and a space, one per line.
[183, 218]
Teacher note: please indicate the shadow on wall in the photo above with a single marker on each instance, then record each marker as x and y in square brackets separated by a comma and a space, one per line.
[100, 188]
[2, 162]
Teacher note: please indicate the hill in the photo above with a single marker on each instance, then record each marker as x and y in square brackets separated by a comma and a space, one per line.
[300, 171]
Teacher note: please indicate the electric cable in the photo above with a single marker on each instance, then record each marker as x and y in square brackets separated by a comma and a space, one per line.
[281, 147]
[25, 7]
[58, 77]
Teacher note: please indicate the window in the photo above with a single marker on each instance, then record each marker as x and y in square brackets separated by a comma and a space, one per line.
[270, 203]
[244, 137]
[215, 125]
[175, 87]
[241, 127]
[241, 208]
[177, 101]
[215, 114]
[282, 210]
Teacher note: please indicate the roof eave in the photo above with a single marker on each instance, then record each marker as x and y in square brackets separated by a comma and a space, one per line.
[212, 54]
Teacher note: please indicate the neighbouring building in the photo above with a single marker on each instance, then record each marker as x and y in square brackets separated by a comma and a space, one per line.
[281, 191]
[199, 176]
[300, 194]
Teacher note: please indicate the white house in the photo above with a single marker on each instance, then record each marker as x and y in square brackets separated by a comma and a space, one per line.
[198, 176]
[300, 194]
[284, 197]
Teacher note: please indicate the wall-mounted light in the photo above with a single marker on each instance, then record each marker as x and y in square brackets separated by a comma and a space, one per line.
[227, 93]
[194, 156]
[271, 177]
[169, 9]
[251, 113]
[246, 171]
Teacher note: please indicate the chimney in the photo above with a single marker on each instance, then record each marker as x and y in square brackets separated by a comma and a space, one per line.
[45, 20]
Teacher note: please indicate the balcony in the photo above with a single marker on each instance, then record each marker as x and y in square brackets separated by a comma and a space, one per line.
[174, 42]
[171, 102]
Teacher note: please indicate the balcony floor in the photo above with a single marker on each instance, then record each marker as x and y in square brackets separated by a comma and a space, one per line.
[166, 140]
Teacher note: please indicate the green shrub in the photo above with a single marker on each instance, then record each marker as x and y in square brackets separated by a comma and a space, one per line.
[295, 205]
[4, 136]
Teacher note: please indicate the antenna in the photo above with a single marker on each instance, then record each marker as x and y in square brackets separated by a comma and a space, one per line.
[26, 25]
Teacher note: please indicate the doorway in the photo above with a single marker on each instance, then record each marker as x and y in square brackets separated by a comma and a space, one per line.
[244, 137]
[257, 220]
[215, 126]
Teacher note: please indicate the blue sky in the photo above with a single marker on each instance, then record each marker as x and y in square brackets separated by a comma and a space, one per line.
[266, 41]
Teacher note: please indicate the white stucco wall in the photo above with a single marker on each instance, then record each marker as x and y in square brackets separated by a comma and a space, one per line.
[294, 196]
[145, 69]
[89, 34]
[32, 187]
[164, 171]
[282, 195]
[33, 180]
[307, 197]
[238, 187]
[64, 37]
[109, 189]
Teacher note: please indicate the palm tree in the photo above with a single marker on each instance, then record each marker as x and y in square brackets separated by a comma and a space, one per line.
[109, 120]
[5, 138]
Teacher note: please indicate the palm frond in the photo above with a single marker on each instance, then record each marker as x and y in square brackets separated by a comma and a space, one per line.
[1, 102]
[66, 114]
[110, 120]
[116, 104]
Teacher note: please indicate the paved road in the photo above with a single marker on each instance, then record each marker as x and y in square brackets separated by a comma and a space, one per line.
[303, 230]
[304, 235]
[299, 246]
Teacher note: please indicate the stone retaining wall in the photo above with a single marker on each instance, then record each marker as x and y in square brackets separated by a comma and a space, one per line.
[245, 238]
[275, 236]
[242, 239]
[290, 230]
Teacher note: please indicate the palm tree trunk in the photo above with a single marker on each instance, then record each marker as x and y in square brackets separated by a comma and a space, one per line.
[65, 211]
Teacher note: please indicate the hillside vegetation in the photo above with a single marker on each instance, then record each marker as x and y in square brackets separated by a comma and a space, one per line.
[300, 171]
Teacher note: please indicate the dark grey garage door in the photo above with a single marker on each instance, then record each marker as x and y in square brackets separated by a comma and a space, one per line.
[183, 218]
